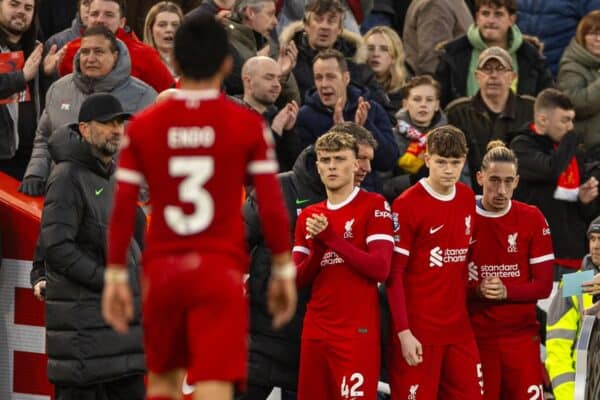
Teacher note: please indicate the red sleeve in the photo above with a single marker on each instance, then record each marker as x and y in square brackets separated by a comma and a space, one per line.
[307, 256]
[156, 74]
[541, 260]
[403, 237]
[272, 211]
[373, 264]
[66, 65]
[122, 220]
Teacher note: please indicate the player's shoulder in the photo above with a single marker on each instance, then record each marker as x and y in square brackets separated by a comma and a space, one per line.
[239, 112]
[372, 197]
[465, 191]
[316, 208]
[527, 210]
[409, 196]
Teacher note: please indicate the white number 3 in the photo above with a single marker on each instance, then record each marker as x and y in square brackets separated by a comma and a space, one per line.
[197, 170]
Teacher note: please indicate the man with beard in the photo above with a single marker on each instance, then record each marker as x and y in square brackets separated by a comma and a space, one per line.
[261, 79]
[19, 95]
[493, 112]
[86, 358]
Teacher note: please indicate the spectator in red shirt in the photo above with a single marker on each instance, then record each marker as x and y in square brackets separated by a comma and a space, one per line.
[145, 61]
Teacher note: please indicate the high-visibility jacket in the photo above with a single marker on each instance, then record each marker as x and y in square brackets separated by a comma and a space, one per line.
[562, 330]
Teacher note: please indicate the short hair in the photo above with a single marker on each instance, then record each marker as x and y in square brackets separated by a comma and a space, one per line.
[101, 30]
[550, 99]
[328, 54]
[240, 6]
[163, 6]
[122, 6]
[322, 7]
[447, 141]
[361, 134]
[397, 73]
[589, 23]
[336, 141]
[421, 80]
[197, 35]
[498, 152]
[510, 5]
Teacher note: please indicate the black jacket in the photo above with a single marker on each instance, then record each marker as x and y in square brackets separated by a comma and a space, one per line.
[540, 165]
[275, 355]
[82, 349]
[534, 75]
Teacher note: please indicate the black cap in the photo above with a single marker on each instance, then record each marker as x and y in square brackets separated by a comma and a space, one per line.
[594, 226]
[102, 107]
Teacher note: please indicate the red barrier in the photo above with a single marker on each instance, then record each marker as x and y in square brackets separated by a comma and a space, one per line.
[22, 337]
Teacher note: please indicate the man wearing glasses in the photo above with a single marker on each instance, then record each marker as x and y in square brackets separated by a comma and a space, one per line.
[493, 112]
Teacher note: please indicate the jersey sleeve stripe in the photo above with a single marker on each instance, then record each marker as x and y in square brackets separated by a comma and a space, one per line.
[129, 176]
[402, 251]
[541, 259]
[263, 167]
[379, 236]
[301, 249]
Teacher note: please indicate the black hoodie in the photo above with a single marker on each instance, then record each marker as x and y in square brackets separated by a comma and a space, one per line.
[82, 349]
[275, 355]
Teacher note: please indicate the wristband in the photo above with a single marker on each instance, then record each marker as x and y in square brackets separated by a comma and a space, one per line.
[287, 271]
[115, 275]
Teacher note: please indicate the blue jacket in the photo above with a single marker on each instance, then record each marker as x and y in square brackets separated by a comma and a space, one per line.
[554, 22]
[314, 119]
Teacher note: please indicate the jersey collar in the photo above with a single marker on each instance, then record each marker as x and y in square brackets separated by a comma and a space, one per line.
[343, 203]
[442, 197]
[186, 94]
[490, 214]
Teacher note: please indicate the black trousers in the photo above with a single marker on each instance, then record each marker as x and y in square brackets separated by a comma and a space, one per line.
[128, 388]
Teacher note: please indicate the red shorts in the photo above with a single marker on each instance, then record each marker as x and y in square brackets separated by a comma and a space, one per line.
[344, 369]
[195, 317]
[512, 367]
[449, 372]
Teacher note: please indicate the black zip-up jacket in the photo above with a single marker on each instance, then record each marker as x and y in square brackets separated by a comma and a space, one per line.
[82, 349]
[275, 355]
[540, 166]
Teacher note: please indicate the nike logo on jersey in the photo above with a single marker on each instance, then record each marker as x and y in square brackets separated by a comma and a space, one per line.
[434, 230]
[299, 202]
[471, 241]
[99, 191]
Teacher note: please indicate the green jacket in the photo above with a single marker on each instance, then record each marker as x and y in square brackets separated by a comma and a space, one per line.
[562, 330]
[579, 77]
[245, 43]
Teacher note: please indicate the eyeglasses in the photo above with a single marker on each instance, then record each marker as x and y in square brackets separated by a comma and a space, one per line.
[594, 34]
[500, 69]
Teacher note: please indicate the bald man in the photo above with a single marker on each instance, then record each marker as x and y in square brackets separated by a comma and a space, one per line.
[260, 77]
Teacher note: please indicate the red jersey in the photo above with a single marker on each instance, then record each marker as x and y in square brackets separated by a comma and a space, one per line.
[428, 283]
[195, 151]
[344, 301]
[514, 245]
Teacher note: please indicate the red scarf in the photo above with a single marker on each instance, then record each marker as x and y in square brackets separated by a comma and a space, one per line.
[567, 187]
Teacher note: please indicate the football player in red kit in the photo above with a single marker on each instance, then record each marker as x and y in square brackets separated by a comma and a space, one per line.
[435, 355]
[510, 269]
[343, 247]
[195, 150]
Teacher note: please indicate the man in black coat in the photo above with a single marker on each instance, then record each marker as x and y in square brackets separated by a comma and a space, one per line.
[87, 359]
[553, 177]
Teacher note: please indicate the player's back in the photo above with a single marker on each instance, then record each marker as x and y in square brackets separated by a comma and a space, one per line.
[195, 152]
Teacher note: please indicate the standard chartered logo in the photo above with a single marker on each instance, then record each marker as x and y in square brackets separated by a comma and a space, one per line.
[439, 256]
[436, 257]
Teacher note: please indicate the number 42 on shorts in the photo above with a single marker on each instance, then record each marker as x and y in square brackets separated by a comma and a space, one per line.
[350, 392]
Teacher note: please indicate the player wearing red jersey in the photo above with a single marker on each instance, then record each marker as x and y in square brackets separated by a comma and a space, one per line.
[510, 269]
[436, 354]
[195, 150]
[343, 247]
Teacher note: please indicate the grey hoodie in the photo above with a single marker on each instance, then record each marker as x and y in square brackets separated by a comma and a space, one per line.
[65, 96]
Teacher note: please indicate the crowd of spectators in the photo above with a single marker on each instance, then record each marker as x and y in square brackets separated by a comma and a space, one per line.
[396, 68]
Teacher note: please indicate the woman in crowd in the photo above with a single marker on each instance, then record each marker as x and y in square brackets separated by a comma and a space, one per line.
[579, 77]
[162, 21]
[385, 55]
